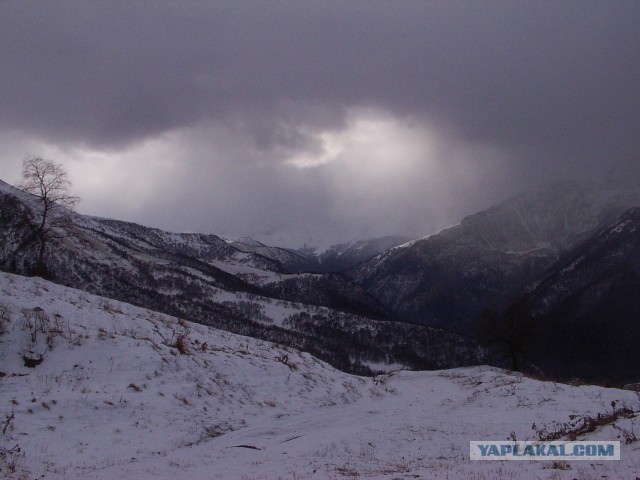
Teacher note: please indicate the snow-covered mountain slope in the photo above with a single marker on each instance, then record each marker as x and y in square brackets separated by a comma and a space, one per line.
[448, 278]
[587, 306]
[555, 216]
[346, 255]
[612, 252]
[207, 279]
[115, 398]
[293, 261]
[333, 259]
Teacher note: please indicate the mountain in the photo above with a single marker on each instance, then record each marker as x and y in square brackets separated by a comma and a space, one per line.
[446, 279]
[416, 304]
[210, 280]
[334, 259]
[124, 392]
[345, 255]
[290, 260]
[586, 308]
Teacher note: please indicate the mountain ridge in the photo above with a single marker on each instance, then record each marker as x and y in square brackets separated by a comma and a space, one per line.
[446, 279]
[207, 279]
[585, 308]
[417, 303]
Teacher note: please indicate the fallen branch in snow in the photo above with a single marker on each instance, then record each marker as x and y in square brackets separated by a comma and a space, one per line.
[8, 420]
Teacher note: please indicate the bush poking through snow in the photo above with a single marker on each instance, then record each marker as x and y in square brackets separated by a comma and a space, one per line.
[179, 340]
[4, 318]
[581, 425]
[32, 360]
[561, 465]
[284, 358]
[35, 321]
[11, 460]
[181, 344]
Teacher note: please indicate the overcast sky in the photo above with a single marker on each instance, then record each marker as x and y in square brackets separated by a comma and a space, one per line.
[319, 121]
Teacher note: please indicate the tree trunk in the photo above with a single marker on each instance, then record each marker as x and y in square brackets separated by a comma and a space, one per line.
[41, 269]
[515, 366]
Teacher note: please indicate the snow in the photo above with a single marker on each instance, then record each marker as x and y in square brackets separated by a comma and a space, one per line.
[248, 273]
[5, 187]
[16, 192]
[620, 227]
[114, 399]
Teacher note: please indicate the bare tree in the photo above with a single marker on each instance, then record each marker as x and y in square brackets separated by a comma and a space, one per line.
[49, 183]
[509, 332]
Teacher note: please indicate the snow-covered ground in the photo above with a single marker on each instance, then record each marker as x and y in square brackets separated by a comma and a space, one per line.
[124, 392]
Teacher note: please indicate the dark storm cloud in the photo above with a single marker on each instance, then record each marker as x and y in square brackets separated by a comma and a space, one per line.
[552, 85]
[560, 76]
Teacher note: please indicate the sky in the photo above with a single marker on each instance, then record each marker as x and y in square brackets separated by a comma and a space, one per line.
[317, 122]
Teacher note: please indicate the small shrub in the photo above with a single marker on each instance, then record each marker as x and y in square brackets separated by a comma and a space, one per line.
[32, 361]
[560, 465]
[35, 321]
[628, 435]
[4, 318]
[217, 430]
[11, 460]
[181, 344]
[284, 359]
[581, 425]
[104, 334]
[179, 341]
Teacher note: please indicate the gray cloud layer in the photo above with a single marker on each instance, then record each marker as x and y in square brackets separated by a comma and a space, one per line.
[549, 87]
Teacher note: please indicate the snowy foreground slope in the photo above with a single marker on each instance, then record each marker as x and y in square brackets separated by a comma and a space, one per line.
[115, 398]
